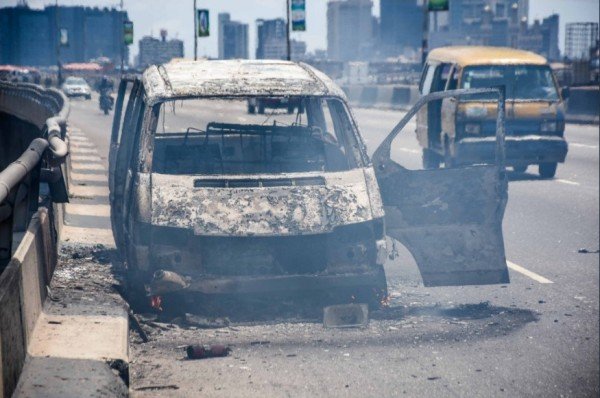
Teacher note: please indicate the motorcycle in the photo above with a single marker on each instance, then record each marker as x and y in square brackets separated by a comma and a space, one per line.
[106, 101]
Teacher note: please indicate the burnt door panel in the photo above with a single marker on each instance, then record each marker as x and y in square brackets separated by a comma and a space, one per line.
[449, 219]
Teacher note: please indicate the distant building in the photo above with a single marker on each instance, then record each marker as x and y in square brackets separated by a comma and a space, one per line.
[154, 51]
[233, 38]
[498, 23]
[271, 39]
[349, 30]
[31, 37]
[580, 38]
[401, 26]
[541, 38]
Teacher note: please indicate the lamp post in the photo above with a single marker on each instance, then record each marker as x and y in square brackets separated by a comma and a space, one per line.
[287, 32]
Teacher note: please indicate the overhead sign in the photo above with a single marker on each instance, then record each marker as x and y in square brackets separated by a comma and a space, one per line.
[127, 32]
[299, 15]
[203, 23]
[438, 5]
[64, 37]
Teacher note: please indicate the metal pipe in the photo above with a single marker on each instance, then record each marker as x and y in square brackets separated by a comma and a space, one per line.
[11, 176]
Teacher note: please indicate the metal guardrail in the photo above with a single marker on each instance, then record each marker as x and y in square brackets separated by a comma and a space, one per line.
[39, 114]
[45, 108]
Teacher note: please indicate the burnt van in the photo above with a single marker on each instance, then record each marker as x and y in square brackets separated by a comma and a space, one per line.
[214, 200]
[464, 133]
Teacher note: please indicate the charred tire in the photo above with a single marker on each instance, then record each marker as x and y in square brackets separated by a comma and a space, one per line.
[431, 160]
[520, 168]
[251, 109]
[547, 170]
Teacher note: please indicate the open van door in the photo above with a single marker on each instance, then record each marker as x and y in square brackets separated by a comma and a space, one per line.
[449, 219]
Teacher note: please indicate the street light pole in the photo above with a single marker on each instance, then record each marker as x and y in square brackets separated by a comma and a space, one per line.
[122, 40]
[56, 21]
[195, 33]
[425, 42]
[287, 31]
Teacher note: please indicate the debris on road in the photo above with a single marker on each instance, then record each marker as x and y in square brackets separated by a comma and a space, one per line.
[207, 351]
[166, 282]
[587, 251]
[346, 316]
[206, 323]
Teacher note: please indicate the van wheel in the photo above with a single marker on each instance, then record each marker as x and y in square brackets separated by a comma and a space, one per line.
[431, 160]
[547, 170]
[520, 168]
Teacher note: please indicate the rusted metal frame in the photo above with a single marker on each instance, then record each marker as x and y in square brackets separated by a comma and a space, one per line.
[383, 152]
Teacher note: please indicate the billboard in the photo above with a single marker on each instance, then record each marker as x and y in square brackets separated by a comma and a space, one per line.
[299, 15]
[127, 32]
[202, 22]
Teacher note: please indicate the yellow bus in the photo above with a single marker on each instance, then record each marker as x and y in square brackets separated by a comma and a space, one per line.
[455, 132]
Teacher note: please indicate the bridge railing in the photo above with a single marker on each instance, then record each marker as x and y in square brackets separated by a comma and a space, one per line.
[32, 149]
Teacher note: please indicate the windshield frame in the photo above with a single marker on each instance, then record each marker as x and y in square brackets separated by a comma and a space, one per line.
[354, 139]
[509, 91]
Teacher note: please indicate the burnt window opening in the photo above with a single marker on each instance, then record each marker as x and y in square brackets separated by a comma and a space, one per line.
[255, 135]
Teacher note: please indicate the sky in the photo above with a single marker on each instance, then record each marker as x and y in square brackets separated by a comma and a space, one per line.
[176, 16]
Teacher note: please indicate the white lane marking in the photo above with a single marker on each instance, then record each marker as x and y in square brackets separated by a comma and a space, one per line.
[567, 182]
[76, 166]
[85, 158]
[98, 210]
[417, 152]
[577, 145]
[526, 272]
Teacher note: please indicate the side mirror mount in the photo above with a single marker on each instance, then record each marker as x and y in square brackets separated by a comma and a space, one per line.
[565, 93]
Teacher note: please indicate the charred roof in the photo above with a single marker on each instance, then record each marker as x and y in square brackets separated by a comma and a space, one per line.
[235, 78]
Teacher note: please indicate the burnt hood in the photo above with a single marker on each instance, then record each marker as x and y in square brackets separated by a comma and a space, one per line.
[277, 205]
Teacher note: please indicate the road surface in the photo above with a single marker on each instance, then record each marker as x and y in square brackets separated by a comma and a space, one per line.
[537, 336]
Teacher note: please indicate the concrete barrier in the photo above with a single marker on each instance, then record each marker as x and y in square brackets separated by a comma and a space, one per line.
[583, 105]
[399, 97]
[22, 294]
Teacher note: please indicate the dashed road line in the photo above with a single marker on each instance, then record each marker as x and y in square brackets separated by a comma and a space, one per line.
[87, 216]
[526, 272]
[567, 182]
[577, 145]
[414, 151]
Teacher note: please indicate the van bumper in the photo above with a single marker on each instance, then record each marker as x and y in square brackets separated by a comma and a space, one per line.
[521, 150]
[372, 279]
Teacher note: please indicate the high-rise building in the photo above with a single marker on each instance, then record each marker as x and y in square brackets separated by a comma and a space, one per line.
[349, 30]
[580, 38]
[153, 51]
[271, 39]
[401, 26]
[31, 37]
[233, 38]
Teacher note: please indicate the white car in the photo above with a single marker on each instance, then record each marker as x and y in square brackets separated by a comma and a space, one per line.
[76, 87]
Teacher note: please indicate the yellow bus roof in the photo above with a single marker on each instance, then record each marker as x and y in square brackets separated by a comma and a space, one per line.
[480, 55]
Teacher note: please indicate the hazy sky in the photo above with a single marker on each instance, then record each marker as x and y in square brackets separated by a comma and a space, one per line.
[149, 16]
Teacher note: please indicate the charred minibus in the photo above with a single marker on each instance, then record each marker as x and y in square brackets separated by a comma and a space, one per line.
[535, 120]
[211, 198]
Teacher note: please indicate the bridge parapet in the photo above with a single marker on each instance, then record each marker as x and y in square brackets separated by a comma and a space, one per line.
[33, 151]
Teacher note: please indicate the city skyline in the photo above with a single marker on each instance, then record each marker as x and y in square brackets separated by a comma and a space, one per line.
[150, 17]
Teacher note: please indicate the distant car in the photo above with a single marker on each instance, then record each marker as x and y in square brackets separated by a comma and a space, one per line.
[76, 87]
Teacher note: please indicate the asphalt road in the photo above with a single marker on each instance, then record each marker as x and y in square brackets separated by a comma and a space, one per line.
[528, 338]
